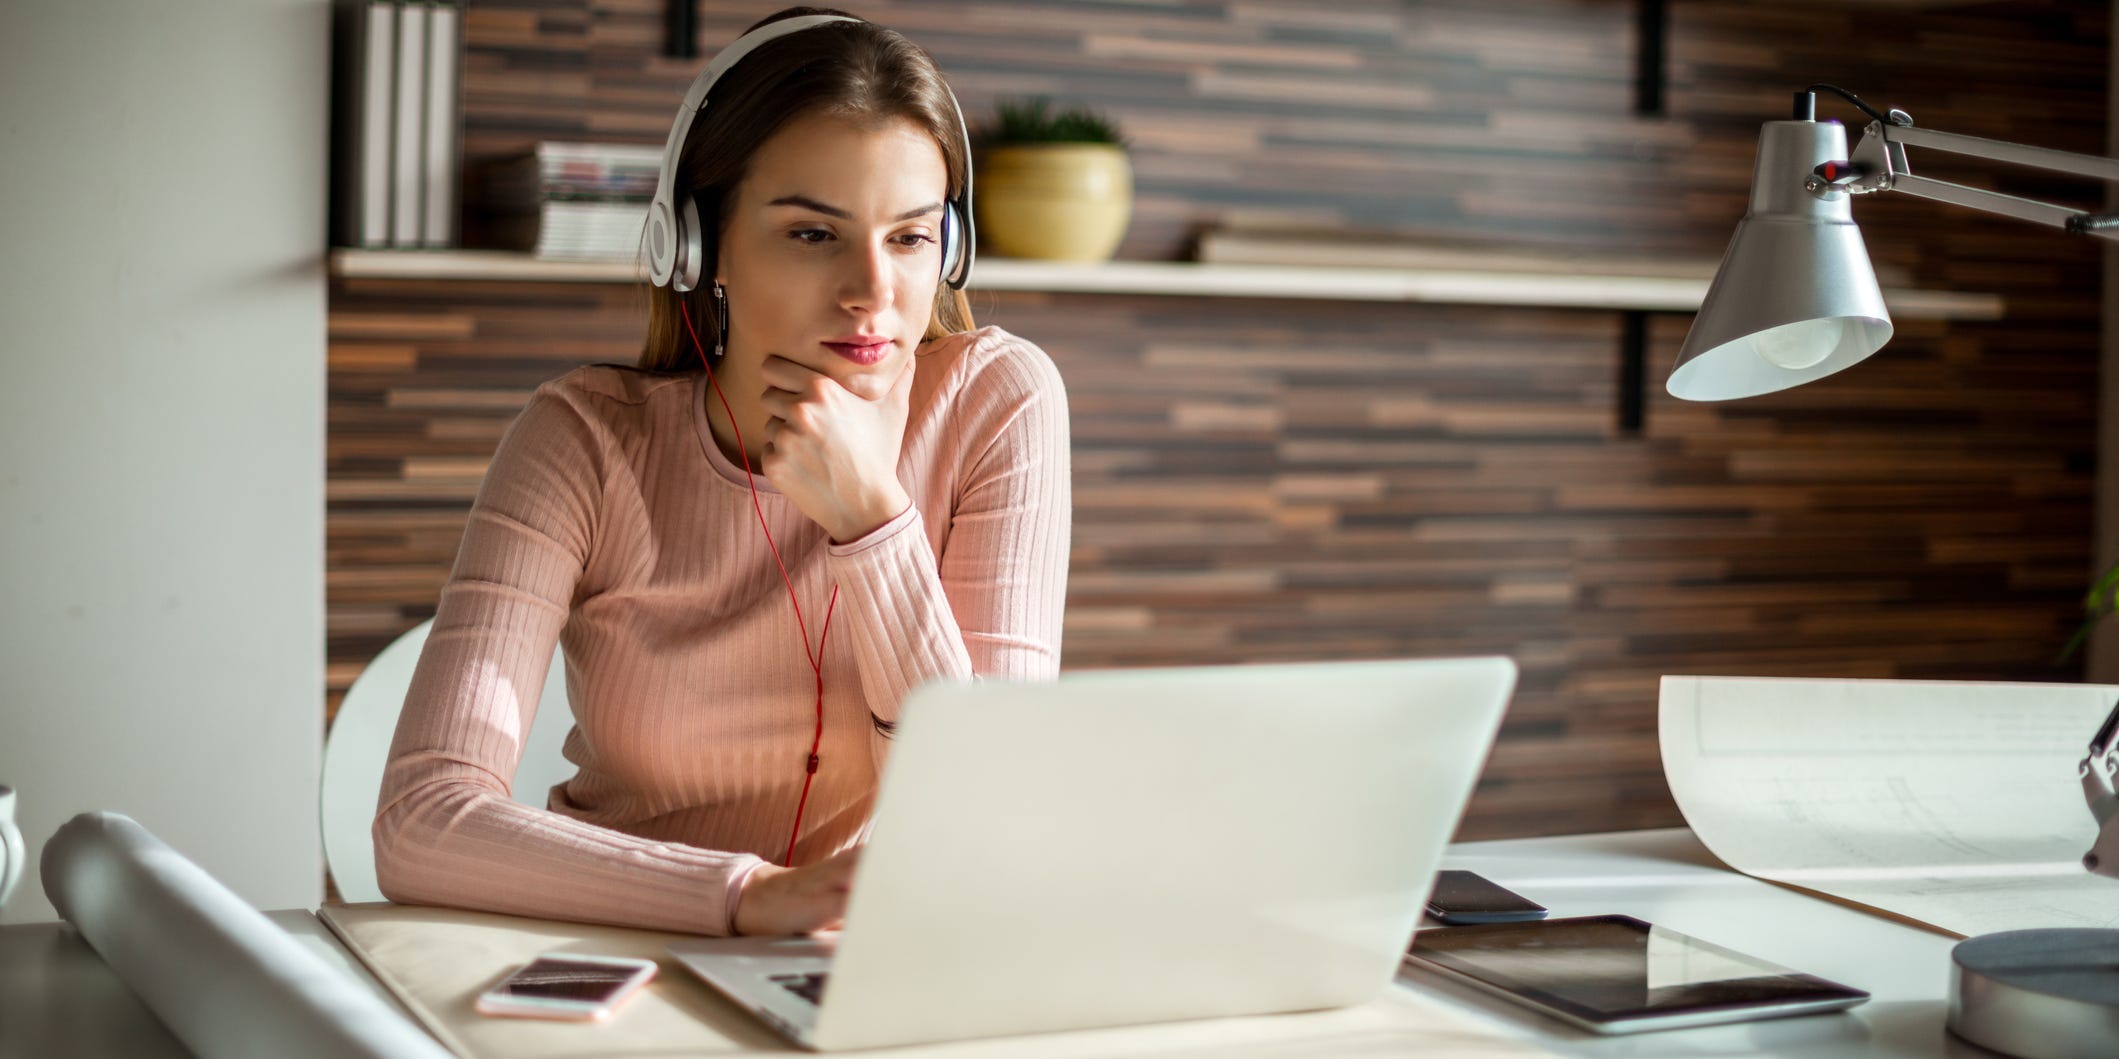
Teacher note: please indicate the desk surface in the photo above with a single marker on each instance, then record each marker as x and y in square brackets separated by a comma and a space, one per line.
[57, 998]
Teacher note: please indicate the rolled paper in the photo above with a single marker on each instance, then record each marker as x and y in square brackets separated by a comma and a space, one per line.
[222, 977]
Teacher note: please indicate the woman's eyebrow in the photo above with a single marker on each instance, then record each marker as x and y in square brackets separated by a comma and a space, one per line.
[808, 203]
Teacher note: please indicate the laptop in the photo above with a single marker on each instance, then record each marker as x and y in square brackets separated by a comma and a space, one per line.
[1132, 846]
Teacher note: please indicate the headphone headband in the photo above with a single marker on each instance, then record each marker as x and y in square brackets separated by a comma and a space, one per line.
[676, 253]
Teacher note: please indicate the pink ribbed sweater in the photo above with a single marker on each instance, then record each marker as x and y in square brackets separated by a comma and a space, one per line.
[610, 521]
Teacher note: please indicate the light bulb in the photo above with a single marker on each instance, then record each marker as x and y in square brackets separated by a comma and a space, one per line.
[1800, 345]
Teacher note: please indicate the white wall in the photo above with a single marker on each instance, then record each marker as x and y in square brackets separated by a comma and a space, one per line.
[162, 183]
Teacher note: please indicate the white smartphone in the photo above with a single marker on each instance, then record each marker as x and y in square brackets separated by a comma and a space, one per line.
[565, 985]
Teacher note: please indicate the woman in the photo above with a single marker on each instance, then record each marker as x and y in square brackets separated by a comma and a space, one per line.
[748, 567]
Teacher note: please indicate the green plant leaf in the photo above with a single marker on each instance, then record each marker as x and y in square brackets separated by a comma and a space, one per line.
[2101, 600]
[2106, 587]
[1032, 120]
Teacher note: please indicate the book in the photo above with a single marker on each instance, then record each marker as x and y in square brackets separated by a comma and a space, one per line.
[440, 196]
[364, 51]
[408, 138]
[577, 231]
[562, 170]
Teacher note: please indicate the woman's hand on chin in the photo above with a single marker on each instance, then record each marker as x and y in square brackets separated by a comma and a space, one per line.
[833, 448]
[800, 900]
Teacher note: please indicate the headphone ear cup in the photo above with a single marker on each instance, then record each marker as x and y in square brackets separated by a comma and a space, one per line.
[684, 275]
[658, 239]
[952, 241]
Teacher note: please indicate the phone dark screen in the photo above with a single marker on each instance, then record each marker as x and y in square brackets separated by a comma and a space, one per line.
[551, 979]
[1463, 892]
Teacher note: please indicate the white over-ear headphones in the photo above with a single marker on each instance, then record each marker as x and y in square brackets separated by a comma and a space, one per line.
[676, 241]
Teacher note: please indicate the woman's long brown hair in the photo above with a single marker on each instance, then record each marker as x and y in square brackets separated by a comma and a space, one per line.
[854, 70]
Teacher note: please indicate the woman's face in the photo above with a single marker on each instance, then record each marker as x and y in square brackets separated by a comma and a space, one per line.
[832, 251]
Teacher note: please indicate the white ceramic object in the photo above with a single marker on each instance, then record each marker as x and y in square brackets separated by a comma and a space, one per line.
[13, 855]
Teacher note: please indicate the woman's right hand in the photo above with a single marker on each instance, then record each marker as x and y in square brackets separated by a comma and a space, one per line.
[780, 900]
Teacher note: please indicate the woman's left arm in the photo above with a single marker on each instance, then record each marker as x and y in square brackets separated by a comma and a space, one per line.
[991, 604]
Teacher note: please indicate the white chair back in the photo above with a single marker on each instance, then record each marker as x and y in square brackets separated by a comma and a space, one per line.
[360, 741]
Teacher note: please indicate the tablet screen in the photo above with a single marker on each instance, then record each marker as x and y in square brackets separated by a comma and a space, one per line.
[1608, 968]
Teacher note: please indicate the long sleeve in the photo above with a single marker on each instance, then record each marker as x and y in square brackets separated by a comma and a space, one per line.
[991, 604]
[446, 831]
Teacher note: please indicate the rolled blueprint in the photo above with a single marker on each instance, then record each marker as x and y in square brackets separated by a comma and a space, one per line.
[220, 975]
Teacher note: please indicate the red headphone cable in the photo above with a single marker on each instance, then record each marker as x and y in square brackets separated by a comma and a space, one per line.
[816, 660]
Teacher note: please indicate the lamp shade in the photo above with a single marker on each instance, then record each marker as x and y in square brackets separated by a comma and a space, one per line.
[1795, 298]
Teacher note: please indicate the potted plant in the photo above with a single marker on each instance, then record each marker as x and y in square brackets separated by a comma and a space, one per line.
[1053, 185]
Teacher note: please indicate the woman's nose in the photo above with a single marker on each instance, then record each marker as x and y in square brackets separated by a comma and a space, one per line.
[867, 283]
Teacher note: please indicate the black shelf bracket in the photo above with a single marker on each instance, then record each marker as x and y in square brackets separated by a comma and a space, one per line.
[1633, 372]
[680, 29]
[1651, 56]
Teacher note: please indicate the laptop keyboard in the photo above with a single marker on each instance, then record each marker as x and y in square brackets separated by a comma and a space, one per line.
[809, 986]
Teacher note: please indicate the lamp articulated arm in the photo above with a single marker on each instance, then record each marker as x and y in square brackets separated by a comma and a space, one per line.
[1879, 164]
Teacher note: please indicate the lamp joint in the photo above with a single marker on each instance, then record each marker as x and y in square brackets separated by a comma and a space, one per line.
[1831, 177]
[2088, 223]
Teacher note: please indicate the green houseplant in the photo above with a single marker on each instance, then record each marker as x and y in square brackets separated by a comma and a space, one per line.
[1053, 185]
[2099, 602]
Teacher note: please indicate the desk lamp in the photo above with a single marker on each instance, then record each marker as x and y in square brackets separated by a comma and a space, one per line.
[1796, 299]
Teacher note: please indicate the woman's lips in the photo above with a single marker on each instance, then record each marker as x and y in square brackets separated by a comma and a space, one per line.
[863, 355]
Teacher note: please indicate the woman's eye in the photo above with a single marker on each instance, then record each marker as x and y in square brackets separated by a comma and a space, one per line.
[911, 240]
[803, 235]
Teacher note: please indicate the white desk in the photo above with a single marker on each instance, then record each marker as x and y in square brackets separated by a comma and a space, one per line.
[56, 998]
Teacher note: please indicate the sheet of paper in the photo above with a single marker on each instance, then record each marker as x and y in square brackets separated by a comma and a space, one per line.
[1956, 804]
[437, 960]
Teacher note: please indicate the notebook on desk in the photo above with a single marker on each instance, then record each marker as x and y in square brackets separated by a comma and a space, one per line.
[1135, 846]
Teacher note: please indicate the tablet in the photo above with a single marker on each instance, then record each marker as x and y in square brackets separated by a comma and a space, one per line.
[1617, 974]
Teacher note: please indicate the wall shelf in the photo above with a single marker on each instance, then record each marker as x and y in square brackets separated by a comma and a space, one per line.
[1517, 280]
[1617, 292]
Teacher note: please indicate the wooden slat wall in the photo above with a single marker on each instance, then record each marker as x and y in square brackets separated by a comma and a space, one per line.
[1262, 479]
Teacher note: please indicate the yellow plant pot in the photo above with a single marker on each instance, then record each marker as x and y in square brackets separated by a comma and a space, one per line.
[1054, 201]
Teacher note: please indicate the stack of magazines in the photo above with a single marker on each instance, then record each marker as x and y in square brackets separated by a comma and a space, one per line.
[574, 201]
